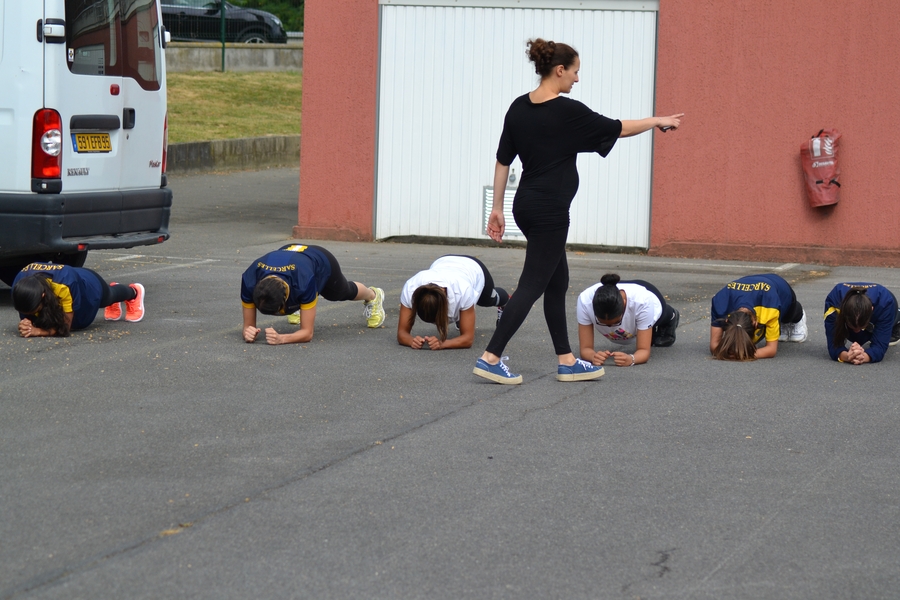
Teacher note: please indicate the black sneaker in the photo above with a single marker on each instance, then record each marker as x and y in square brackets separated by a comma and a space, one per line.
[665, 334]
[895, 334]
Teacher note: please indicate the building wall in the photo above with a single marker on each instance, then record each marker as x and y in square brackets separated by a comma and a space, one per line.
[337, 148]
[756, 78]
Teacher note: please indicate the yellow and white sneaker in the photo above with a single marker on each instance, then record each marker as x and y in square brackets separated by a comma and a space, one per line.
[294, 318]
[374, 309]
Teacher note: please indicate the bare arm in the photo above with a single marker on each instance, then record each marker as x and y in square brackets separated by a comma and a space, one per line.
[249, 330]
[404, 330]
[302, 335]
[496, 226]
[28, 329]
[586, 346]
[466, 333]
[715, 336]
[630, 128]
[641, 353]
[768, 351]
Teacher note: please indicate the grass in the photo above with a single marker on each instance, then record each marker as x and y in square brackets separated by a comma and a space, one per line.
[219, 106]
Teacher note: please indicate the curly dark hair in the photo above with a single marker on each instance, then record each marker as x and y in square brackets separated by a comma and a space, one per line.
[547, 54]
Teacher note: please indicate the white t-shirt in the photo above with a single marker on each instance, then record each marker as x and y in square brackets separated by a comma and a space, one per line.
[642, 310]
[463, 278]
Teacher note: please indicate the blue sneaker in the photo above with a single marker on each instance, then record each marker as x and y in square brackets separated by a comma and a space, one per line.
[580, 371]
[498, 373]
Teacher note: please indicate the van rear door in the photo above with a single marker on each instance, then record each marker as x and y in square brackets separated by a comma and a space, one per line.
[21, 68]
[104, 75]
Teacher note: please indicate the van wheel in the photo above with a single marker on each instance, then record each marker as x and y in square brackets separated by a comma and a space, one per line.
[8, 273]
[253, 38]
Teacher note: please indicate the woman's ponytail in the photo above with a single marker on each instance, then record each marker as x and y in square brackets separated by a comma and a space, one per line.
[430, 302]
[736, 342]
[607, 302]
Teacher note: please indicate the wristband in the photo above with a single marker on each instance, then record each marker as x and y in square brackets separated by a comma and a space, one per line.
[839, 359]
[632, 360]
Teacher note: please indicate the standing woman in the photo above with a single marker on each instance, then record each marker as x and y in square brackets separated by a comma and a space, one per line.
[54, 300]
[622, 311]
[860, 313]
[447, 293]
[750, 309]
[547, 131]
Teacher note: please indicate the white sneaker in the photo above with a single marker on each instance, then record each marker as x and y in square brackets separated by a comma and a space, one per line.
[787, 329]
[798, 331]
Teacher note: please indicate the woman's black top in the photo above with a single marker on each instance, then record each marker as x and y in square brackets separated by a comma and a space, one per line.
[548, 137]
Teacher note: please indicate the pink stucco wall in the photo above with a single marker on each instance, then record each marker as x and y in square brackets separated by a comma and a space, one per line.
[337, 145]
[756, 78]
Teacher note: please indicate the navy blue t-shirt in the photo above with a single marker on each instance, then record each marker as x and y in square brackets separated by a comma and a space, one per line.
[305, 269]
[79, 290]
[884, 315]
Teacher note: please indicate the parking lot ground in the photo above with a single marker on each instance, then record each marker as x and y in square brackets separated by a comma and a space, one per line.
[168, 459]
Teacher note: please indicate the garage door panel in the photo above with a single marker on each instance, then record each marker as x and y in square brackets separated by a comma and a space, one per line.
[447, 76]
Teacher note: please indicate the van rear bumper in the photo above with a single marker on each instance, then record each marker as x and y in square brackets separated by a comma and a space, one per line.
[39, 224]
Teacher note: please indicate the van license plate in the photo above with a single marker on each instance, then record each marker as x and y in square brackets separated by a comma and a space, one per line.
[91, 142]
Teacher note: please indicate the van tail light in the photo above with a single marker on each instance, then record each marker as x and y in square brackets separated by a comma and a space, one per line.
[46, 145]
[165, 143]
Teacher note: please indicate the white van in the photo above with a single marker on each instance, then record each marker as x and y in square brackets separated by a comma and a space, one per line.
[83, 131]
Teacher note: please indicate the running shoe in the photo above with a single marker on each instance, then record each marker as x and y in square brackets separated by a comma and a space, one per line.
[374, 310]
[798, 331]
[294, 318]
[113, 312]
[134, 309]
[665, 334]
[580, 371]
[498, 373]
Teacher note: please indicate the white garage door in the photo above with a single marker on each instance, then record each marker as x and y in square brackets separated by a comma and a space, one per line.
[447, 76]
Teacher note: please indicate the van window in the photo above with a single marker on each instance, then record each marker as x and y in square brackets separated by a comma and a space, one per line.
[118, 38]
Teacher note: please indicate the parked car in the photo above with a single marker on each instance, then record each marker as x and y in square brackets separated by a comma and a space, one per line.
[201, 20]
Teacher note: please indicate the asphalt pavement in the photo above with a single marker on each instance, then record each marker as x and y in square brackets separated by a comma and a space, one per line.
[169, 459]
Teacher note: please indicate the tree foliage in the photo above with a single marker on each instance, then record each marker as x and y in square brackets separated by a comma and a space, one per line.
[289, 11]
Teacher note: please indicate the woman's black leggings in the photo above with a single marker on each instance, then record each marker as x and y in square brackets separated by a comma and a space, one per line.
[337, 288]
[546, 272]
[113, 294]
[794, 312]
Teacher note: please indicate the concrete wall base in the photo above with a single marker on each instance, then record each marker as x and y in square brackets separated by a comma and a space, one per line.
[238, 154]
[207, 56]
[338, 234]
[872, 257]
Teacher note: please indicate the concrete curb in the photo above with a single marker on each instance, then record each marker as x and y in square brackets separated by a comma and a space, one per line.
[233, 155]
[182, 57]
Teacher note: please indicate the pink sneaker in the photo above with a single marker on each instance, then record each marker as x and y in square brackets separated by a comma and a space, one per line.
[113, 312]
[134, 309]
